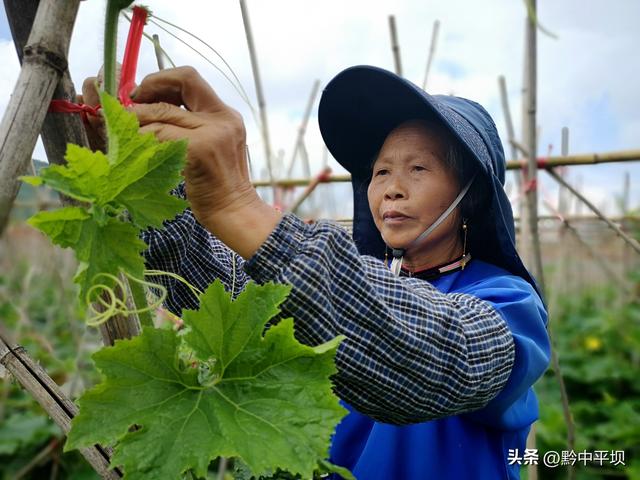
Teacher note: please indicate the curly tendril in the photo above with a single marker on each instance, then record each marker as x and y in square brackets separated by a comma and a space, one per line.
[107, 297]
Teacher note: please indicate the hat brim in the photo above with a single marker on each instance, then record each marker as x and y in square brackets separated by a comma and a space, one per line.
[362, 104]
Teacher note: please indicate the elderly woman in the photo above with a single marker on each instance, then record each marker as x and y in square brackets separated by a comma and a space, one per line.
[446, 330]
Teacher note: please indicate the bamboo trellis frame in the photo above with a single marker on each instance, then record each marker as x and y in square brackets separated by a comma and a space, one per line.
[542, 162]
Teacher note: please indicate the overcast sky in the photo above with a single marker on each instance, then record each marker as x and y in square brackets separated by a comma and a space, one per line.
[587, 77]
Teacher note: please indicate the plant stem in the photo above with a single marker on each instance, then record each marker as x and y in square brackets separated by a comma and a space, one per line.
[140, 301]
[110, 40]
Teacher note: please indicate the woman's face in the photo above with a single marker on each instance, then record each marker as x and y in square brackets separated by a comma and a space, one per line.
[410, 188]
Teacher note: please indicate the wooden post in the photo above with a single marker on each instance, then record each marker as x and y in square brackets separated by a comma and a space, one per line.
[261, 103]
[432, 52]
[395, 47]
[44, 63]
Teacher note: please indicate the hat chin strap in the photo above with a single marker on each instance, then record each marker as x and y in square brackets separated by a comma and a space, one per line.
[398, 253]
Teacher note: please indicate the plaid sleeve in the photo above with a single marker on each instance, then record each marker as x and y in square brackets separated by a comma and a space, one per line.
[186, 248]
[412, 354]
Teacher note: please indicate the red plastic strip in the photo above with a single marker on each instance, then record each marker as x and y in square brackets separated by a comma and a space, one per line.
[65, 106]
[131, 52]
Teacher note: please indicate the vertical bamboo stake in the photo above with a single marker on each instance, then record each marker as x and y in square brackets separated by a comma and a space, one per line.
[44, 64]
[432, 51]
[531, 172]
[530, 226]
[303, 125]
[525, 243]
[627, 259]
[511, 136]
[395, 47]
[158, 51]
[261, 103]
[561, 275]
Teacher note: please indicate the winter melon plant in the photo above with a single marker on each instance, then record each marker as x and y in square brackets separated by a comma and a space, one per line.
[172, 401]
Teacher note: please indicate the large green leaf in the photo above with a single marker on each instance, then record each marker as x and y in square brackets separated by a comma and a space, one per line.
[266, 399]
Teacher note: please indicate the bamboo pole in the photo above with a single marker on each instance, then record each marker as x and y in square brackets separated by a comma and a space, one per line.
[44, 63]
[158, 51]
[555, 362]
[530, 176]
[59, 129]
[61, 409]
[524, 242]
[432, 52]
[310, 188]
[303, 125]
[549, 162]
[610, 273]
[627, 260]
[627, 239]
[258, 84]
[506, 111]
[395, 47]
[529, 179]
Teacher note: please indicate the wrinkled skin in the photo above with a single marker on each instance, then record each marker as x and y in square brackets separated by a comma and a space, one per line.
[410, 187]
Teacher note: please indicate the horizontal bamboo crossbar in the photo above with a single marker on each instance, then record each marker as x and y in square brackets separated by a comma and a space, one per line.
[543, 162]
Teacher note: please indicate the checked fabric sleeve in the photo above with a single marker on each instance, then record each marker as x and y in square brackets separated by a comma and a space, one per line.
[412, 353]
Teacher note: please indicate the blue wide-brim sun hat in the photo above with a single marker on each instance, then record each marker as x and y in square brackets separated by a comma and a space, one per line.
[359, 108]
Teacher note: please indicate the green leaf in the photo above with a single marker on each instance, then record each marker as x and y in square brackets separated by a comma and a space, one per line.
[141, 199]
[100, 247]
[35, 181]
[84, 177]
[25, 430]
[242, 323]
[108, 248]
[271, 405]
[136, 175]
[63, 226]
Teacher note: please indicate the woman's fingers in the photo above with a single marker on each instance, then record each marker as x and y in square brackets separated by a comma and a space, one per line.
[90, 94]
[164, 132]
[148, 113]
[182, 86]
[95, 128]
